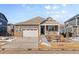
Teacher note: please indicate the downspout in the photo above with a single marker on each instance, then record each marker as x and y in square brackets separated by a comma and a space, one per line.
[77, 26]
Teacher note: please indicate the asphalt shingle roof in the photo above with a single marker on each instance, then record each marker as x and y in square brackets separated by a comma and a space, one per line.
[50, 20]
[33, 21]
[38, 20]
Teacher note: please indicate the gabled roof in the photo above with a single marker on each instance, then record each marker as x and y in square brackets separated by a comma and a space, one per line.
[38, 21]
[72, 18]
[3, 16]
[49, 20]
[33, 21]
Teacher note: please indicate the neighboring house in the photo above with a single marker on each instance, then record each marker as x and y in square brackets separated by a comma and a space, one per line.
[72, 25]
[36, 27]
[61, 28]
[3, 25]
[10, 30]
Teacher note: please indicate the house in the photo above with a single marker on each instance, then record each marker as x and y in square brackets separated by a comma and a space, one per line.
[10, 30]
[3, 25]
[61, 28]
[72, 25]
[36, 27]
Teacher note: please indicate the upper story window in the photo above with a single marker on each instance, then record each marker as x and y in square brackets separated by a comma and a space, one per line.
[1, 16]
[0, 23]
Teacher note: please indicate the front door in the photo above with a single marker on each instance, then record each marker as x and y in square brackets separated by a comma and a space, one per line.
[42, 30]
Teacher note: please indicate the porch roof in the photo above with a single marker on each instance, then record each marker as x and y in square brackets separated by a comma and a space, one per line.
[50, 21]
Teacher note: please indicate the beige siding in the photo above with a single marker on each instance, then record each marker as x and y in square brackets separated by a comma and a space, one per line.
[19, 29]
[51, 32]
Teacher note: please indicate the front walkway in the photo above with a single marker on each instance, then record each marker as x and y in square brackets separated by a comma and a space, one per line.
[44, 40]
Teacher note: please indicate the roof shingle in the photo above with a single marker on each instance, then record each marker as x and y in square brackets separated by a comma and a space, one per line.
[33, 21]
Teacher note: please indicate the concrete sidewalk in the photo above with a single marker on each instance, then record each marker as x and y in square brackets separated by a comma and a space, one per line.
[37, 52]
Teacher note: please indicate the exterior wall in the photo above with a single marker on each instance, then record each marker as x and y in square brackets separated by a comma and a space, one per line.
[72, 26]
[61, 28]
[10, 29]
[3, 25]
[51, 33]
[69, 29]
[18, 30]
[77, 20]
[72, 22]
[78, 30]
[69, 25]
[74, 31]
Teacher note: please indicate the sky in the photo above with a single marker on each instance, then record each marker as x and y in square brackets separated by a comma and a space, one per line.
[21, 12]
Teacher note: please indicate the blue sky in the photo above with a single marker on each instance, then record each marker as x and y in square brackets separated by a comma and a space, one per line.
[20, 12]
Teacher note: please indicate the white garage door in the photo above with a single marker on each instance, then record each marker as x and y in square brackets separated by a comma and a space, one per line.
[30, 32]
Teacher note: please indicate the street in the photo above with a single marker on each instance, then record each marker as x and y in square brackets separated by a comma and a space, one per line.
[37, 52]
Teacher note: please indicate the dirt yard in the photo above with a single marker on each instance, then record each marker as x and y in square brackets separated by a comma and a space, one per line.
[55, 48]
[61, 46]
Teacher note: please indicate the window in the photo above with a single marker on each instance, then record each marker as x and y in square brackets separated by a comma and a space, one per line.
[0, 23]
[17, 30]
[2, 16]
[52, 28]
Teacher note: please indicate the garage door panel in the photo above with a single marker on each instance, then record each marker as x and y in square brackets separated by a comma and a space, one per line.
[30, 32]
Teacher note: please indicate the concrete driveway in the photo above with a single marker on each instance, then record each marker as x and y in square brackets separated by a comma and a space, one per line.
[22, 44]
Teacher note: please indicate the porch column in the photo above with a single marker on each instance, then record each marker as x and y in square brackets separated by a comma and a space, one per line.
[45, 29]
[58, 29]
[39, 30]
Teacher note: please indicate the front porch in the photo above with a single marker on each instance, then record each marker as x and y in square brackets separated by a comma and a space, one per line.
[50, 29]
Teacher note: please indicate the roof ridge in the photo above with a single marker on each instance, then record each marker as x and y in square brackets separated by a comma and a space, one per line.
[32, 20]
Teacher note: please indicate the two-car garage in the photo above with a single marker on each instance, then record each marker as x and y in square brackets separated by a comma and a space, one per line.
[29, 28]
[30, 32]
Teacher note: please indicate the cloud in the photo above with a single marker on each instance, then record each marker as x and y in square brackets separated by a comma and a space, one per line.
[64, 5]
[55, 12]
[55, 7]
[48, 7]
[58, 16]
[52, 12]
[25, 6]
[64, 11]
[47, 12]
[38, 12]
